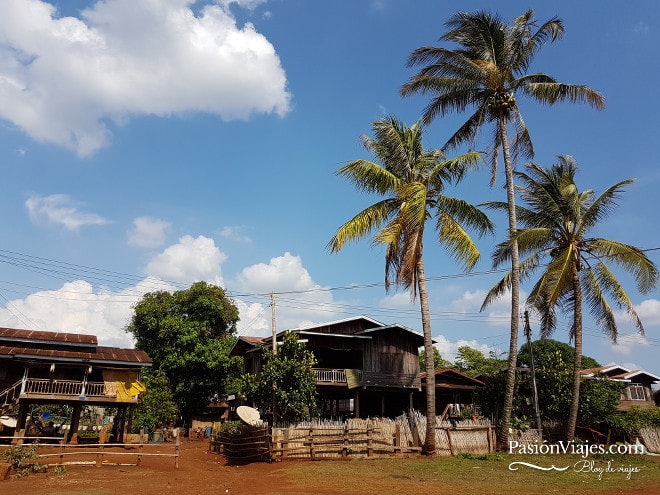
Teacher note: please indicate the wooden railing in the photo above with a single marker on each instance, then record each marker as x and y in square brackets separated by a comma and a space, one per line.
[64, 387]
[325, 375]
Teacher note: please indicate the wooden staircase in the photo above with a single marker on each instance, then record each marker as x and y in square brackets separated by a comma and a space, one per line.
[9, 398]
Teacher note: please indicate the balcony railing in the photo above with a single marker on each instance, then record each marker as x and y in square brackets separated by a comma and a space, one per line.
[325, 375]
[35, 386]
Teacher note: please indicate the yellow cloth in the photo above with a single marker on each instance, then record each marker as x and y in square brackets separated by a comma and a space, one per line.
[123, 385]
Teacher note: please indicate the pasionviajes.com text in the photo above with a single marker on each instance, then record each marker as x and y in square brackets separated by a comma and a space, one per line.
[571, 447]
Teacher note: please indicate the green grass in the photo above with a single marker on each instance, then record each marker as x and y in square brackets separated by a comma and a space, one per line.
[474, 475]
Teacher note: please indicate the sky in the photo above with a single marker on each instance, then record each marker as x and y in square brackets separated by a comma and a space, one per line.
[146, 145]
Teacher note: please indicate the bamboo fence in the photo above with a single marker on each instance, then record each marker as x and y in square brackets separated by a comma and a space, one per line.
[651, 439]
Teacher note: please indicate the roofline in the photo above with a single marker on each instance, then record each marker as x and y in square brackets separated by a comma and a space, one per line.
[344, 320]
[80, 361]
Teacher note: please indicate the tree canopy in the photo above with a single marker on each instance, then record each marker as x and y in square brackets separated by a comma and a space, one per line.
[288, 378]
[188, 334]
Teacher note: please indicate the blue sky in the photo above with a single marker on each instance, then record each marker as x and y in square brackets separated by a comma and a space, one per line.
[147, 145]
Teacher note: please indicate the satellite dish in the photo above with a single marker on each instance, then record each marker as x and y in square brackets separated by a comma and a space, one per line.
[248, 414]
[8, 422]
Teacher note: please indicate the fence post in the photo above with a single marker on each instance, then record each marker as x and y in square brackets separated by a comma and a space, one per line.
[451, 446]
[311, 443]
[397, 438]
[370, 439]
[177, 444]
[344, 450]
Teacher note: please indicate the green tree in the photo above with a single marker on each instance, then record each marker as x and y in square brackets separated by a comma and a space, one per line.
[472, 362]
[487, 71]
[557, 224]
[438, 362]
[157, 405]
[188, 334]
[288, 377]
[544, 347]
[413, 181]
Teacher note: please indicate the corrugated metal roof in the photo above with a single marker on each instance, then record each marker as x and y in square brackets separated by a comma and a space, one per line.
[36, 336]
[67, 347]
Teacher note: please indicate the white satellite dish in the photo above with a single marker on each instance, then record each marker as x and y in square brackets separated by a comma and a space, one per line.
[8, 422]
[248, 414]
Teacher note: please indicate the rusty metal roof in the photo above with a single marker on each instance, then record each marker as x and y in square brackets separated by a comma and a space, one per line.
[36, 336]
[65, 347]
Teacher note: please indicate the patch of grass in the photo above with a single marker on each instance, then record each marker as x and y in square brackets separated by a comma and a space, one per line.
[476, 475]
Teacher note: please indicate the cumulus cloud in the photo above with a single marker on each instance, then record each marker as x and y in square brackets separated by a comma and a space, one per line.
[190, 260]
[60, 209]
[62, 79]
[299, 300]
[448, 349]
[148, 232]
[77, 307]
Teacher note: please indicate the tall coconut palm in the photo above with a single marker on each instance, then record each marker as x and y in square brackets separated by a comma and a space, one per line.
[487, 72]
[556, 225]
[412, 181]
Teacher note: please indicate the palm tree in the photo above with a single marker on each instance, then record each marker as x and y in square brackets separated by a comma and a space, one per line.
[412, 181]
[556, 224]
[486, 72]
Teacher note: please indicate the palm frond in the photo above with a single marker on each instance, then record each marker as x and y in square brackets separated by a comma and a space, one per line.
[369, 177]
[630, 258]
[551, 93]
[360, 225]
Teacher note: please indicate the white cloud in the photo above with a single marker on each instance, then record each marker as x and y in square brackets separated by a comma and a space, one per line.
[191, 260]
[649, 312]
[286, 276]
[63, 78]
[449, 349]
[60, 209]
[148, 232]
[234, 234]
[77, 308]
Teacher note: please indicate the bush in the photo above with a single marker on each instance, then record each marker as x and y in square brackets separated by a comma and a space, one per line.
[23, 459]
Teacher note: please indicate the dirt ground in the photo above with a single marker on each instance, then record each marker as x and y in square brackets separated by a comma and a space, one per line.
[200, 472]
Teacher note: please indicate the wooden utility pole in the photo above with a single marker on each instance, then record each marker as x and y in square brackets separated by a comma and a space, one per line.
[272, 322]
[528, 334]
[273, 328]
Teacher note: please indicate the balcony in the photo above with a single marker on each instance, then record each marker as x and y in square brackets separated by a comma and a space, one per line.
[326, 376]
[64, 390]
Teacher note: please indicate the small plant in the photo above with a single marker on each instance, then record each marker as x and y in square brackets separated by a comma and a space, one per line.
[522, 423]
[24, 459]
[59, 470]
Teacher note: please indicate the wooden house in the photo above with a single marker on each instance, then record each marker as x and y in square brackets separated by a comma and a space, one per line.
[638, 389]
[454, 393]
[39, 367]
[364, 367]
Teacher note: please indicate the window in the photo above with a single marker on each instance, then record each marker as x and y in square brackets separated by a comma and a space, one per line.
[636, 391]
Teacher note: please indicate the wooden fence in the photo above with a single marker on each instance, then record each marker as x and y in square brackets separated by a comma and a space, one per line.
[98, 454]
[651, 439]
[355, 438]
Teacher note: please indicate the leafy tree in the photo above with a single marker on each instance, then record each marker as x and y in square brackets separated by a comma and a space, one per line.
[557, 224]
[157, 405]
[487, 71]
[472, 362]
[543, 348]
[188, 334]
[413, 181]
[438, 362]
[286, 376]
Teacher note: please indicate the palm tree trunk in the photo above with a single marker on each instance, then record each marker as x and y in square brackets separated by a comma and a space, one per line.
[577, 366]
[429, 442]
[503, 432]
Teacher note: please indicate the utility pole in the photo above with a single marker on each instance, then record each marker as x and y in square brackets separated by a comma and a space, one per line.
[273, 328]
[528, 334]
